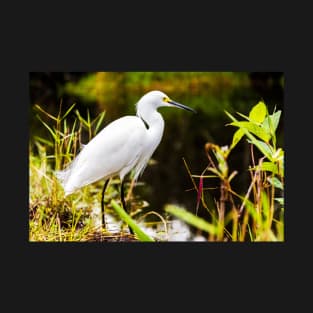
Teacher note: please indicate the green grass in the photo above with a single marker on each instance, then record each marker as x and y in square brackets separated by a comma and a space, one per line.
[53, 217]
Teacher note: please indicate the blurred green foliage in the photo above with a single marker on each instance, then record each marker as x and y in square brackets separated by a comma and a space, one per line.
[105, 88]
[117, 92]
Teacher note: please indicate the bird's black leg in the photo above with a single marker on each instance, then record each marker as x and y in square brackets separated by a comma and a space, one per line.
[124, 203]
[102, 202]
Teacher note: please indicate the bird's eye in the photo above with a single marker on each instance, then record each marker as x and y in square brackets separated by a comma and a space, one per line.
[165, 99]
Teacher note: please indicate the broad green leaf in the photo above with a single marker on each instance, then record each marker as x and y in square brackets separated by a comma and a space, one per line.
[262, 146]
[191, 219]
[254, 129]
[276, 182]
[236, 138]
[270, 167]
[258, 112]
[142, 236]
[278, 155]
[275, 118]
[271, 122]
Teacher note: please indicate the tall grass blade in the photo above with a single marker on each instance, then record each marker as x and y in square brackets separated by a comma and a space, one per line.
[101, 117]
[49, 128]
[44, 141]
[68, 111]
[191, 219]
[142, 236]
[46, 113]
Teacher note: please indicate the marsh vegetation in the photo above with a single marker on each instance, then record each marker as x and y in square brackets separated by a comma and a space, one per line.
[216, 176]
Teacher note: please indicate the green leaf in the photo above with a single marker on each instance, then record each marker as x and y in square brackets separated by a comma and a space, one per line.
[236, 138]
[230, 116]
[82, 120]
[45, 141]
[49, 128]
[271, 122]
[276, 182]
[263, 147]
[254, 129]
[258, 112]
[242, 115]
[275, 118]
[270, 167]
[68, 111]
[251, 208]
[191, 219]
[142, 236]
[265, 204]
[46, 113]
[101, 116]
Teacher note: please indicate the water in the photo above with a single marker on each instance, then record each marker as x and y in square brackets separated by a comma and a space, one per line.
[174, 230]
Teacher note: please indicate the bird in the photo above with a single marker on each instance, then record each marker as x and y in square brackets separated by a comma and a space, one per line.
[125, 144]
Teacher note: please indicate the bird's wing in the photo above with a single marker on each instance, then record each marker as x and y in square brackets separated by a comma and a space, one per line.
[115, 150]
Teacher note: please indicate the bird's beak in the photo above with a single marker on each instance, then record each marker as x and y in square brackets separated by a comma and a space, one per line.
[181, 106]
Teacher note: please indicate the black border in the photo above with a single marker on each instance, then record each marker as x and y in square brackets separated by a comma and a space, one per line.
[254, 42]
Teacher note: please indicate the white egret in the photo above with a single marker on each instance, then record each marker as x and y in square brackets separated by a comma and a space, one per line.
[125, 144]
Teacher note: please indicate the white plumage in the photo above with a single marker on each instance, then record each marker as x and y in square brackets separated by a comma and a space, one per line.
[125, 144]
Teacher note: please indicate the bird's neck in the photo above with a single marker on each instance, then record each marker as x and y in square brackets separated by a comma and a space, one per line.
[151, 117]
[155, 127]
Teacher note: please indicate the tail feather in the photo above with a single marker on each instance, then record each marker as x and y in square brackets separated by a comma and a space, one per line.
[63, 176]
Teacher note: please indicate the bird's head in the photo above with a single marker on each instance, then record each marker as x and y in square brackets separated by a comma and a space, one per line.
[156, 99]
